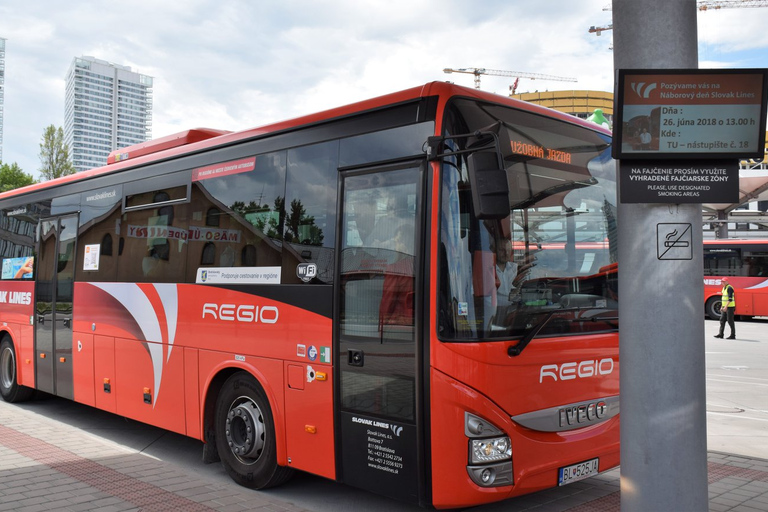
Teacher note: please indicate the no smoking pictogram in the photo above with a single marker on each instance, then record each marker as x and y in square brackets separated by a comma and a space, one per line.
[674, 241]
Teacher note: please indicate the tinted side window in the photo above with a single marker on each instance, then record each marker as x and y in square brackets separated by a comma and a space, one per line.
[99, 234]
[722, 262]
[755, 263]
[237, 214]
[152, 244]
[394, 143]
[17, 242]
[310, 222]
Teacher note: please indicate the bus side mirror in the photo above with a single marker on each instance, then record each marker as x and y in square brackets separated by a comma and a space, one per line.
[490, 189]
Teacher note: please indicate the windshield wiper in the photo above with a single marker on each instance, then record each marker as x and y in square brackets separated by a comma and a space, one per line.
[534, 331]
[607, 319]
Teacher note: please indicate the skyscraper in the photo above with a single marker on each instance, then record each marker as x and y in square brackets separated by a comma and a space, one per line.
[107, 107]
[2, 91]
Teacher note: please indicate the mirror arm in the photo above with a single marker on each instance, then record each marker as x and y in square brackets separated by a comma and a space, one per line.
[433, 145]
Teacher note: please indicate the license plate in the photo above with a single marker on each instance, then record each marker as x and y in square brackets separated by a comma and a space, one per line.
[576, 472]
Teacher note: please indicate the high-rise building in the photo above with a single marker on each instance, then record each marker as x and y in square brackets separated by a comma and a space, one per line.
[2, 91]
[107, 107]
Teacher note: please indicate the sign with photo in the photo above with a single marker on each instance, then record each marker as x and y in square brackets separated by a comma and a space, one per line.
[692, 113]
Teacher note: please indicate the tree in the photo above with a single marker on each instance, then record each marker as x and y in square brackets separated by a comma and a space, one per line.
[301, 228]
[54, 154]
[11, 177]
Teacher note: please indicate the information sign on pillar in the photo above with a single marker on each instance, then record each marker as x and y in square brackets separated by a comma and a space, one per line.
[668, 181]
[680, 133]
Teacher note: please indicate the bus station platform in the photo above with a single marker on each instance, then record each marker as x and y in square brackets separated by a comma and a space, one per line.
[50, 465]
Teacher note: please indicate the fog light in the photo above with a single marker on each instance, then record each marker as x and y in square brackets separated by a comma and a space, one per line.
[492, 475]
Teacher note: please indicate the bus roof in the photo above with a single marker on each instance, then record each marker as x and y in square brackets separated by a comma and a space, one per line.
[171, 141]
[204, 138]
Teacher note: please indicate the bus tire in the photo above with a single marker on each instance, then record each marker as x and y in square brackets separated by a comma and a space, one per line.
[10, 389]
[712, 308]
[245, 434]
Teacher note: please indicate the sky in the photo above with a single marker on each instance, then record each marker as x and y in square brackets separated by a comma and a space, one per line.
[237, 64]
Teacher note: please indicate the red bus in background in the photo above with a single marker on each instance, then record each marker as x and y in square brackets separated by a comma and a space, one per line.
[745, 262]
[322, 295]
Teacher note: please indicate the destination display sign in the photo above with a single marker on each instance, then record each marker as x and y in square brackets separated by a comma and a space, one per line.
[694, 113]
[673, 181]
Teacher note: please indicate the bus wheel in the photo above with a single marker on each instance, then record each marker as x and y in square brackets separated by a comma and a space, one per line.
[713, 308]
[10, 389]
[245, 434]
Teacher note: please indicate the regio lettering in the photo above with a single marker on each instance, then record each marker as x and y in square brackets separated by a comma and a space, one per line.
[582, 369]
[246, 313]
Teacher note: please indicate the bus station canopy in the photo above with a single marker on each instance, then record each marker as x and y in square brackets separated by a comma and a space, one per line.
[753, 186]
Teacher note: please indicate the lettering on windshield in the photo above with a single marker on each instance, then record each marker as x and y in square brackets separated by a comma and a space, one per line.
[527, 149]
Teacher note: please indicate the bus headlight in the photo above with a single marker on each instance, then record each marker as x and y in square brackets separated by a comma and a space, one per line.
[490, 453]
[495, 449]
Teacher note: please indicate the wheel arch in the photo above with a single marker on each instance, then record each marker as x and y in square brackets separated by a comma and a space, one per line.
[211, 392]
[7, 333]
[17, 391]
[708, 301]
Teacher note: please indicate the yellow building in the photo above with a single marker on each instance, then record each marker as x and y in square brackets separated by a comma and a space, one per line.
[583, 104]
[578, 103]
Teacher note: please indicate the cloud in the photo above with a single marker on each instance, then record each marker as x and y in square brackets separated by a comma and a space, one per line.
[239, 64]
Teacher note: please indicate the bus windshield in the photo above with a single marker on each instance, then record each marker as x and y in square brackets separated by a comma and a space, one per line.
[551, 264]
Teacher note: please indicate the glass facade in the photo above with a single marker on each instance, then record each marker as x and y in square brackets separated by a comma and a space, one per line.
[107, 107]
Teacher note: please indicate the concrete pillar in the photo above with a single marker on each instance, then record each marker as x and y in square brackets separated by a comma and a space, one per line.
[663, 393]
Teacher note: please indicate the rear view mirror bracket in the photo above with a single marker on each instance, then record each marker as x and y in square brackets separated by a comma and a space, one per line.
[487, 175]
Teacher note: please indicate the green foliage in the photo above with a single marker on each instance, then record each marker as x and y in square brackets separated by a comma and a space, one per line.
[299, 227]
[12, 177]
[54, 154]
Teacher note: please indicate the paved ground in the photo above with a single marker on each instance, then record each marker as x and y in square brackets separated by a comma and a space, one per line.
[60, 456]
[57, 467]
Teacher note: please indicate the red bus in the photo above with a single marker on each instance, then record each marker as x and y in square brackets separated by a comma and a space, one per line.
[745, 262]
[321, 295]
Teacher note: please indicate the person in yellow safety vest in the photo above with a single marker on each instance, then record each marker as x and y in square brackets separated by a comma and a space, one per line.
[727, 307]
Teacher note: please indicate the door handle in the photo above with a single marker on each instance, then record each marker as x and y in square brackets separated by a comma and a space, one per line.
[68, 322]
[41, 319]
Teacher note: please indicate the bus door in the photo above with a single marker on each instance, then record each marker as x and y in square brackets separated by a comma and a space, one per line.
[53, 306]
[378, 338]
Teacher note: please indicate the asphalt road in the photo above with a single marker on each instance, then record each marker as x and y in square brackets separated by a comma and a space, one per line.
[737, 389]
[737, 423]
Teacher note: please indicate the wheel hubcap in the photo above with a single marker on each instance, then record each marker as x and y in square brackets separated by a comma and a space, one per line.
[245, 430]
[7, 368]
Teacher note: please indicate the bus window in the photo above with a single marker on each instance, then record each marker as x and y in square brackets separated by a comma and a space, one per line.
[310, 219]
[17, 241]
[722, 262]
[99, 234]
[755, 263]
[561, 226]
[377, 287]
[238, 214]
[154, 240]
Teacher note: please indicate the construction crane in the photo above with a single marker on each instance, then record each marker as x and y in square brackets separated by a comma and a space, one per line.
[729, 4]
[704, 5]
[496, 72]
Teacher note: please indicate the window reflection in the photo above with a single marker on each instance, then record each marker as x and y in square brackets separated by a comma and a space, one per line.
[153, 241]
[553, 259]
[237, 218]
[310, 223]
